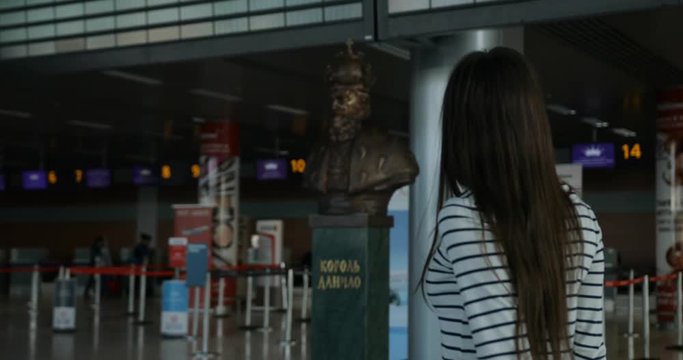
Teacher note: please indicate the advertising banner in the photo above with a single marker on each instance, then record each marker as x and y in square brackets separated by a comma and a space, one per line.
[64, 311]
[398, 275]
[177, 252]
[275, 230]
[219, 187]
[174, 306]
[669, 196]
[197, 264]
[194, 222]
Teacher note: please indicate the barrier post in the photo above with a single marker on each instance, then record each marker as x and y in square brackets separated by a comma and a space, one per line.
[304, 299]
[646, 317]
[35, 278]
[131, 291]
[207, 309]
[143, 295]
[283, 290]
[631, 305]
[220, 306]
[195, 313]
[678, 346]
[287, 341]
[98, 285]
[247, 317]
[266, 303]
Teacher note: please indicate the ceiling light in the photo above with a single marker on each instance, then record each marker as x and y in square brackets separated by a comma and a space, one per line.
[624, 132]
[89, 125]
[287, 110]
[133, 77]
[215, 95]
[16, 114]
[595, 122]
[560, 109]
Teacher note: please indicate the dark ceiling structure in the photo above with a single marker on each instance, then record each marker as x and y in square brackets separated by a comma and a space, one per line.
[595, 71]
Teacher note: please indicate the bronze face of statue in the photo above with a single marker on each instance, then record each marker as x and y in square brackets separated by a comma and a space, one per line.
[356, 169]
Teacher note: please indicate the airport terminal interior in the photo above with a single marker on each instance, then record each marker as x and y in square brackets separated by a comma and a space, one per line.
[155, 151]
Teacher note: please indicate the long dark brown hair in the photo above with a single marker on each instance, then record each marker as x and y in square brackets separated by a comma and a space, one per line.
[497, 143]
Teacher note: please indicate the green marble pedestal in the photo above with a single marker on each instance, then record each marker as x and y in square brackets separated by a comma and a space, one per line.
[350, 316]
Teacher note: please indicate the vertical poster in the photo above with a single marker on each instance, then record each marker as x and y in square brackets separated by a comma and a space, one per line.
[669, 191]
[398, 275]
[219, 187]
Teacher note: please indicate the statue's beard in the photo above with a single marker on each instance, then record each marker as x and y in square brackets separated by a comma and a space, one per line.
[344, 129]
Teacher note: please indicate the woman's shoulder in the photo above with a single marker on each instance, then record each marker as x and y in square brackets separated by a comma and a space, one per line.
[582, 208]
[458, 211]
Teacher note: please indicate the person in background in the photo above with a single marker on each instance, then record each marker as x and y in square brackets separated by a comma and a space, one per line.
[97, 252]
[141, 251]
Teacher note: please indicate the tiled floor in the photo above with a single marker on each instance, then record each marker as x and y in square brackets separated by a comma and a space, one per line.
[113, 336]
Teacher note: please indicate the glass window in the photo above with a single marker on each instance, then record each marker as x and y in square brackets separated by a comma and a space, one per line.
[269, 21]
[13, 18]
[8, 4]
[38, 2]
[70, 27]
[232, 26]
[69, 45]
[301, 2]
[41, 31]
[100, 24]
[195, 11]
[440, 3]
[162, 16]
[343, 12]
[160, 2]
[131, 38]
[129, 4]
[302, 17]
[256, 5]
[97, 7]
[130, 20]
[167, 33]
[398, 6]
[101, 41]
[41, 48]
[41, 14]
[67, 11]
[11, 35]
[196, 30]
[230, 7]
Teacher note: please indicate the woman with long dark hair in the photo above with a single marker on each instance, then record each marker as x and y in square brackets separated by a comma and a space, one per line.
[516, 268]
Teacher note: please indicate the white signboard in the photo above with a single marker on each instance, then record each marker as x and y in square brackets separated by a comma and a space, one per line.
[572, 175]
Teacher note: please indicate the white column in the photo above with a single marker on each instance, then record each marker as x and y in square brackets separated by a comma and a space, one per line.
[432, 66]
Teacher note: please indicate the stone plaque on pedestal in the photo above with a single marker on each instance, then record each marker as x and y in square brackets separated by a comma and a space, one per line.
[350, 317]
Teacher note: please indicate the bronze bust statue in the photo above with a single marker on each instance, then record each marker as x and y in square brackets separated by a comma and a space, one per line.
[356, 169]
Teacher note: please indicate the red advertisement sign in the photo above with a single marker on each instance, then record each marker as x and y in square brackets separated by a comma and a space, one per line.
[220, 139]
[195, 223]
[177, 252]
[669, 194]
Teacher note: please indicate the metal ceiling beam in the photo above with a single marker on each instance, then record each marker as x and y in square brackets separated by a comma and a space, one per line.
[192, 49]
[448, 20]
[608, 44]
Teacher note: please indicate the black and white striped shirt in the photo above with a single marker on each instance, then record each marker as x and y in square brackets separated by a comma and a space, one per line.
[472, 298]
